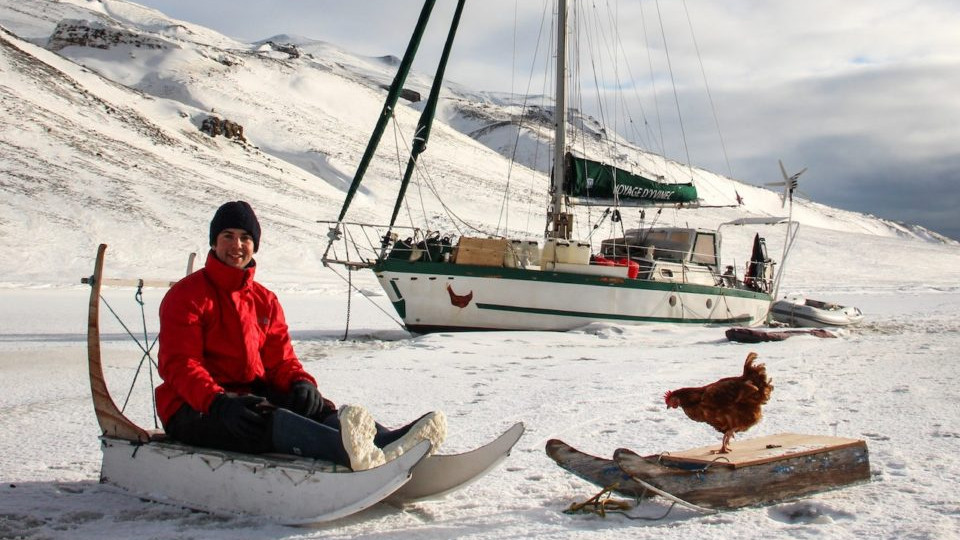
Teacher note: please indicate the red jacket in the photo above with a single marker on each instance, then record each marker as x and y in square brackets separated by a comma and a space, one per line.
[220, 331]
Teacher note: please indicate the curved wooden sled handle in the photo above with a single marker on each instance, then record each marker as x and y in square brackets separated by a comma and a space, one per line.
[113, 423]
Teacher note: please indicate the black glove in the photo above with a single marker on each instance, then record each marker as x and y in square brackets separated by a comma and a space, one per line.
[305, 399]
[239, 416]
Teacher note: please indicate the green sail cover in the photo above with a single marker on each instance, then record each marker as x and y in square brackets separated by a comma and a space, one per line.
[588, 179]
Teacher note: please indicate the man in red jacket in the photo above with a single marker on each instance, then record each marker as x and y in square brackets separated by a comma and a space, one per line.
[227, 363]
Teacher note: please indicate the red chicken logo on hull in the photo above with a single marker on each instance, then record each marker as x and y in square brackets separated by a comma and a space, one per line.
[458, 300]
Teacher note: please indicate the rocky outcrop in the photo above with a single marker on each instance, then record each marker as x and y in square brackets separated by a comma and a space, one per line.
[289, 49]
[214, 126]
[73, 32]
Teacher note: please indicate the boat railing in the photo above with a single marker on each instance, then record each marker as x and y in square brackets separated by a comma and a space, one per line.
[664, 262]
[361, 245]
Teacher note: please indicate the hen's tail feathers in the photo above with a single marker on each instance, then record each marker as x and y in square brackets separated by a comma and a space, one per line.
[757, 374]
[748, 364]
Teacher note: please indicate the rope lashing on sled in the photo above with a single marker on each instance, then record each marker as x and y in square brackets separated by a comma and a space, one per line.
[696, 470]
[138, 296]
[602, 504]
[147, 349]
[309, 474]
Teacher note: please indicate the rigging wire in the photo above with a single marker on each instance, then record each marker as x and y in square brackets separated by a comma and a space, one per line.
[511, 161]
[676, 95]
[397, 140]
[594, 48]
[703, 72]
[646, 138]
[346, 327]
[653, 86]
[596, 41]
[424, 174]
[356, 289]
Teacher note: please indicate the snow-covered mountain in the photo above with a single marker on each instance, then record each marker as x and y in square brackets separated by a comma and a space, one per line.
[101, 142]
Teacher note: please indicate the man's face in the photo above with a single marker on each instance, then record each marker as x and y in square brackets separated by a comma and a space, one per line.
[234, 247]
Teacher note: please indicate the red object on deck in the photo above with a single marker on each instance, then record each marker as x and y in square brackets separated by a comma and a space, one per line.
[602, 261]
[633, 267]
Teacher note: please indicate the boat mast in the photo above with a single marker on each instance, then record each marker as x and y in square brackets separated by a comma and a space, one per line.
[560, 222]
[393, 95]
[422, 134]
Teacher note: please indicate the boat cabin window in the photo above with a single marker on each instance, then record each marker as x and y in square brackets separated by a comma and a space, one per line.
[705, 249]
[662, 244]
[671, 245]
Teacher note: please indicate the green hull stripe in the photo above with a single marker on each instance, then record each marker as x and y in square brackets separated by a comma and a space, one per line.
[611, 316]
[396, 291]
[400, 305]
[465, 270]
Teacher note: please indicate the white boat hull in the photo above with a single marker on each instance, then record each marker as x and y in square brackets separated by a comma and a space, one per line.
[288, 490]
[437, 297]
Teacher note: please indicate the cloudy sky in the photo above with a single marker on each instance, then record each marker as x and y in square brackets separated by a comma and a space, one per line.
[863, 93]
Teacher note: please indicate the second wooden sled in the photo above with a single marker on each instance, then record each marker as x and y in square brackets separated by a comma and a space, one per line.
[758, 471]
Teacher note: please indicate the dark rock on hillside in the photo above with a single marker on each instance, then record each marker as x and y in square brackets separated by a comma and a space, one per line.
[214, 126]
[73, 32]
[287, 48]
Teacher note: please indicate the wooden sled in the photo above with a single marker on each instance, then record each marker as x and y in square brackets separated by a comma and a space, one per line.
[283, 488]
[758, 471]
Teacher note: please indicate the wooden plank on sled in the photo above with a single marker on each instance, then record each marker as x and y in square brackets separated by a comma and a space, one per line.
[763, 450]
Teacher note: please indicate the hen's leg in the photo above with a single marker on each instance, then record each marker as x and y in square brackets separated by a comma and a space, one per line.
[725, 446]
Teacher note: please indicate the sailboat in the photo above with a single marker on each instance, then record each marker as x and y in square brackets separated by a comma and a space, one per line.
[657, 274]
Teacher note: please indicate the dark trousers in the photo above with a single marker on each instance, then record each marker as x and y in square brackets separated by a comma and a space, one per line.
[318, 437]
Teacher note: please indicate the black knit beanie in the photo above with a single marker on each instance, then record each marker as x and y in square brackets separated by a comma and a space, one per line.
[235, 215]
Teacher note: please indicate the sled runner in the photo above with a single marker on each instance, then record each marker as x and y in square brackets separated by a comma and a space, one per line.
[438, 475]
[594, 469]
[285, 488]
[758, 471]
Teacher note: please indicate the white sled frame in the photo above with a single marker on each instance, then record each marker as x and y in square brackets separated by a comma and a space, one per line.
[289, 490]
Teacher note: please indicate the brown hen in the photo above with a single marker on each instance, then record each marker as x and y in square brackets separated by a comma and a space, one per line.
[731, 405]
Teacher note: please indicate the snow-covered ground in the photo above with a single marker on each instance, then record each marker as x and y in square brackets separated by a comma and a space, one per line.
[101, 145]
[893, 382]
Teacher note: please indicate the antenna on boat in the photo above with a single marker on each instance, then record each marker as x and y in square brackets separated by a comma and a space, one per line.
[789, 186]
